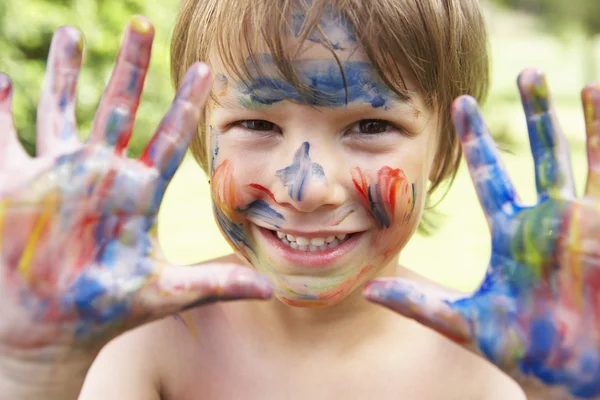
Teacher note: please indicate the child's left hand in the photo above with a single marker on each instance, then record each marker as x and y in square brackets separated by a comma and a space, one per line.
[538, 310]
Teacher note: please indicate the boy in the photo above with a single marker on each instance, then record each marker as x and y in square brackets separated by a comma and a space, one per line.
[327, 126]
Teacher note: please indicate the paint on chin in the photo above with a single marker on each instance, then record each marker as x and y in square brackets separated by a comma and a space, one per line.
[381, 198]
[320, 297]
[328, 85]
[299, 174]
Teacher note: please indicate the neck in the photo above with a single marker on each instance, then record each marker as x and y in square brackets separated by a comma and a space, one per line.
[347, 323]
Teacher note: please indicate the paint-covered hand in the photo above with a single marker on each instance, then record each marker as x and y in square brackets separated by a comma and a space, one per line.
[537, 313]
[79, 261]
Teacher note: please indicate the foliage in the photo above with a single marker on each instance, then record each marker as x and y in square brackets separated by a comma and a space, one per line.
[559, 16]
[26, 28]
[559, 13]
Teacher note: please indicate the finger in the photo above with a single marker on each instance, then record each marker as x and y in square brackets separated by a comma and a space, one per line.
[548, 145]
[56, 127]
[180, 288]
[166, 149]
[428, 305]
[114, 121]
[591, 107]
[11, 151]
[494, 188]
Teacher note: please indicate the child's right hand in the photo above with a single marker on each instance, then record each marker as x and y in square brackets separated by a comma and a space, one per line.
[78, 258]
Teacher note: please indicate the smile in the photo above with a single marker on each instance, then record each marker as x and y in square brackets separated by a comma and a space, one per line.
[314, 251]
[313, 244]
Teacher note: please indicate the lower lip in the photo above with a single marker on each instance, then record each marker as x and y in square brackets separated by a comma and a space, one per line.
[315, 259]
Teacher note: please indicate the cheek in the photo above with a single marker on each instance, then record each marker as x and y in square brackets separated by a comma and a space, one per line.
[389, 196]
[236, 199]
[227, 200]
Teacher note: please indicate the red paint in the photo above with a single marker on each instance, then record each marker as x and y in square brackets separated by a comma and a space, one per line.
[5, 87]
[264, 190]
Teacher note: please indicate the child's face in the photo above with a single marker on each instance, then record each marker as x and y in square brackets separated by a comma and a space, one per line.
[321, 194]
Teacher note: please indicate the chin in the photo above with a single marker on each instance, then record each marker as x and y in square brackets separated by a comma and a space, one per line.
[330, 294]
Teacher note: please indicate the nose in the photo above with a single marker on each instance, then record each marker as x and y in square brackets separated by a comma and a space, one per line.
[305, 185]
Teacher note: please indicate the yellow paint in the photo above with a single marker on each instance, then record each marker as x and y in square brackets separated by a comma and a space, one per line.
[575, 257]
[189, 323]
[24, 266]
[140, 24]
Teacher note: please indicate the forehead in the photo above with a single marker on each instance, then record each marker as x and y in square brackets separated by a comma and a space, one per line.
[324, 66]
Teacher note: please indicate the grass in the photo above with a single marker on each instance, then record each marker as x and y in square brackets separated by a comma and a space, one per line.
[457, 254]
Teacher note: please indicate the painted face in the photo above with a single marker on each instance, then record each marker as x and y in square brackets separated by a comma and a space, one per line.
[319, 192]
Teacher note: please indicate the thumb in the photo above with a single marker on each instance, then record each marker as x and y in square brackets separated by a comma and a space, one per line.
[427, 304]
[178, 288]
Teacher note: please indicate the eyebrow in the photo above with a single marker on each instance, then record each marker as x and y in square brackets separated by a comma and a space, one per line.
[242, 102]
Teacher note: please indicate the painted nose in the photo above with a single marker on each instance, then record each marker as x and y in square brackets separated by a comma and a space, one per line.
[304, 183]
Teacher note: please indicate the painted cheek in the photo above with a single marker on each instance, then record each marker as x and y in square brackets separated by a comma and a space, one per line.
[234, 204]
[226, 200]
[389, 197]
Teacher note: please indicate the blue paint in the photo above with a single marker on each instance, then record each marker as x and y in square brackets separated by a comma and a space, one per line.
[135, 77]
[378, 209]
[261, 210]
[235, 232]
[542, 139]
[324, 80]
[296, 176]
[214, 142]
[336, 30]
[116, 123]
[95, 304]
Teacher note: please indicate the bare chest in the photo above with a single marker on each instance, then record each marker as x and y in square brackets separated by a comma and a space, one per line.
[226, 368]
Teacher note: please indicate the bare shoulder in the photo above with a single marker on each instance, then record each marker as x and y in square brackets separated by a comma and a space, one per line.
[461, 368]
[128, 363]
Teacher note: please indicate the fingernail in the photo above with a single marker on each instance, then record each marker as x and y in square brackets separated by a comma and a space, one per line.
[466, 117]
[140, 24]
[534, 90]
[374, 291]
[194, 86]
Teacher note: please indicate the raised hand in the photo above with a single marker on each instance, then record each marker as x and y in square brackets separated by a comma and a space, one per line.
[537, 312]
[78, 258]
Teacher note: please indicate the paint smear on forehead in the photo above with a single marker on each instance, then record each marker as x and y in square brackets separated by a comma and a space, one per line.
[328, 85]
[334, 29]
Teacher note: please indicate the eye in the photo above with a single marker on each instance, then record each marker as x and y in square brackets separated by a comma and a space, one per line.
[258, 125]
[371, 127]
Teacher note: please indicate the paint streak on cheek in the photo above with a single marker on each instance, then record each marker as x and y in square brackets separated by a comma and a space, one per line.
[233, 212]
[390, 198]
[225, 202]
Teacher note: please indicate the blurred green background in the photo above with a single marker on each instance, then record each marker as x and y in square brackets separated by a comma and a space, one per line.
[558, 36]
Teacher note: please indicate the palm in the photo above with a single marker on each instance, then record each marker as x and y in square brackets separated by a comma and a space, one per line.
[537, 310]
[78, 258]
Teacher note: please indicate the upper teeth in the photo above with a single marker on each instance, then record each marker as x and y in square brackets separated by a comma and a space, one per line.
[316, 241]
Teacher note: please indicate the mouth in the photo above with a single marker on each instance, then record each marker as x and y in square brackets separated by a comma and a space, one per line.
[313, 251]
[314, 244]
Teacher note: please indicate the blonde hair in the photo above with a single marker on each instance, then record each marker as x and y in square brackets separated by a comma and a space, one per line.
[441, 43]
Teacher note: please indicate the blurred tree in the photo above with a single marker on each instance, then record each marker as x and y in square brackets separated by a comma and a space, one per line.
[26, 28]
[559, 15]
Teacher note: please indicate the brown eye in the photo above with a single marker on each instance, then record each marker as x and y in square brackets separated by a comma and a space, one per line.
[373, 126]
[258, 125]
